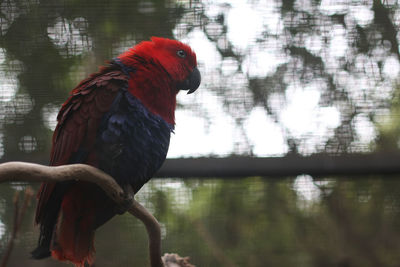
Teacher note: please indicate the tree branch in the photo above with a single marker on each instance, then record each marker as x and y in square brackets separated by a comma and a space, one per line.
[28, 172]
[153, 231]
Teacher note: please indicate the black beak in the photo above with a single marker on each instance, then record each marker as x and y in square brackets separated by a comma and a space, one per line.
[192, 82]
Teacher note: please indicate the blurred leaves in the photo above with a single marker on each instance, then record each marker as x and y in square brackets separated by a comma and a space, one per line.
[344, 52]
[334, 221]
[48, 46]
[253, 222]
[51, 41]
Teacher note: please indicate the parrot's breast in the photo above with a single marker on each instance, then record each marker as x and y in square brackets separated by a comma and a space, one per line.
[132, 143]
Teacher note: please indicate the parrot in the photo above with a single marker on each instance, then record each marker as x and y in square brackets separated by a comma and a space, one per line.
[118, 120]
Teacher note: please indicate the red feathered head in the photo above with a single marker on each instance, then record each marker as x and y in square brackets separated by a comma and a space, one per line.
[161, 67]
[177, 59]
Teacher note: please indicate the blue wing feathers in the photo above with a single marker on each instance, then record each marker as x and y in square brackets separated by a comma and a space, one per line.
[133, 142]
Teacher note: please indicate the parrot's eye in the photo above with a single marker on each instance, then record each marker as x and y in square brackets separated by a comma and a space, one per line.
[181, 53]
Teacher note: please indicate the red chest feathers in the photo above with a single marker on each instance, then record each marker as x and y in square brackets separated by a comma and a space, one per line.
[156, 94]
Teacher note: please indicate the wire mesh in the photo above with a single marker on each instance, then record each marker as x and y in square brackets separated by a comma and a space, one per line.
[279, 78]
[248, 222]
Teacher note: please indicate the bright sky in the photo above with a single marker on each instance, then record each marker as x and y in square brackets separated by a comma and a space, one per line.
[1, 230]
[301, 116]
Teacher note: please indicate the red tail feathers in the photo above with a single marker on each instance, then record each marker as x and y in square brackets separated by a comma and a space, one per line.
[73, 236]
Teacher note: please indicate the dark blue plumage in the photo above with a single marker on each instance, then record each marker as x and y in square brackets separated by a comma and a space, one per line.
[132, 142]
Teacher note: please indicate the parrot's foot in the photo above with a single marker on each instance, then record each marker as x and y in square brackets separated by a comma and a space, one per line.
[127, 202]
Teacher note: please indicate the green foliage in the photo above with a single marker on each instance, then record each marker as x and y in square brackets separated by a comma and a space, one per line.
[247, 222]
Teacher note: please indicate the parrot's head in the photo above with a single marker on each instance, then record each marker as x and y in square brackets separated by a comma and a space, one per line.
[177, 59]
[160, 68]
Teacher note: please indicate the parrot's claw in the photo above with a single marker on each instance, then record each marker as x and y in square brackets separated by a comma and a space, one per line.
[127, 201]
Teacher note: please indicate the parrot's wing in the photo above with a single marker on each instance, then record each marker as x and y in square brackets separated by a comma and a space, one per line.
[78, 121]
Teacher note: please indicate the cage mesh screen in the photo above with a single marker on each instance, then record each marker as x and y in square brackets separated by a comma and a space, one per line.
[331, 221]
[278, 78]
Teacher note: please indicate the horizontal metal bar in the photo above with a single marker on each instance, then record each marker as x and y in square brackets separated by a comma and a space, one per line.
[291, 165]
[315, 165]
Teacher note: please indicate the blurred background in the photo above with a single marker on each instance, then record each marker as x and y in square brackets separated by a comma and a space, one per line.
[279, 78]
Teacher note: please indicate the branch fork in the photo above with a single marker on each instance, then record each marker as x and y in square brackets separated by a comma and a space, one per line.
[29, 172]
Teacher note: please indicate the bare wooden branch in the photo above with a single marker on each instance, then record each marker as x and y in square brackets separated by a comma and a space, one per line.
[153, 232]
[28, 172]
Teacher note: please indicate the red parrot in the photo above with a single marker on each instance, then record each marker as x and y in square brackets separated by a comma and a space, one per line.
[118, 120]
